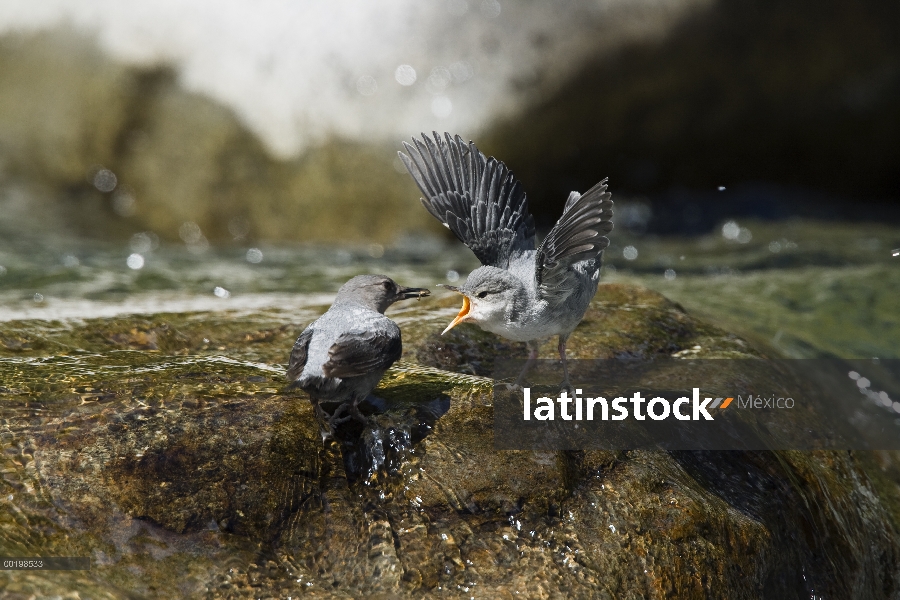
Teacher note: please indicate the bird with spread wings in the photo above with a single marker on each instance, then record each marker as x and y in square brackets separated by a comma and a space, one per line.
[522, 292]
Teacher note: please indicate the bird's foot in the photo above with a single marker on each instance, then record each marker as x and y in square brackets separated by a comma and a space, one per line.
[336, 419]
[566, 386]
[513, 387]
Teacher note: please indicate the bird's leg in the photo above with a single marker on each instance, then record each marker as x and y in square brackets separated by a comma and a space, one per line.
[532, 358]
[566, 384]
[322, 417]
[355, 412]
[336, 419]
[320, 412]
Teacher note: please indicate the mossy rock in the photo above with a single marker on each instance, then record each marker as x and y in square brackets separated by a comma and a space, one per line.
[194, 453]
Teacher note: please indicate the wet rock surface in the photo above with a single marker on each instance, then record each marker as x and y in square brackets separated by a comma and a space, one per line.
[189, 468]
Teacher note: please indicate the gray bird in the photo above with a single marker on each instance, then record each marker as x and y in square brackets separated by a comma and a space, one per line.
[521, 292]
[340, 357]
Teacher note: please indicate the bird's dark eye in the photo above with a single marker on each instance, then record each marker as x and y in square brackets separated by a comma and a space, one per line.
[482, 294]
[386, 285]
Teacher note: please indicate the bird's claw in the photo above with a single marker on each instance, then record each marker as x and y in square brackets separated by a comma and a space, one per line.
[336, 419]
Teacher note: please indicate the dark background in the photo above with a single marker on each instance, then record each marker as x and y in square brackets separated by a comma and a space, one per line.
[793, 106]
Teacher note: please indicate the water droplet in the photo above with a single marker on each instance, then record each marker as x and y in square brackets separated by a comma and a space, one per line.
[744, 235]
[135, 261]
[190, 232]
[376, 250]
[441, 107]
[141, 243]
[405, 75]
[70, 260]
[775, 247]
[863, 383]
[438, 81]
[853, 375]
[669, 274]
[461, 71]
[221, 292]
[730, 230]
[124, 203]
[105, 180]
[2, 270]
[238, 227]
[193, 237]
[38, 298]
[254, 255]
[452, 276]
[721, 188]
[895, 252]
[630, 253]
[366, 85]
[896, 407]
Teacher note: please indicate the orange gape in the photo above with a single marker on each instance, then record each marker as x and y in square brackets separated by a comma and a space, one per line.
[463, 313]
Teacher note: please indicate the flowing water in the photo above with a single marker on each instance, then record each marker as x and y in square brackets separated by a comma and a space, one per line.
[807, 289]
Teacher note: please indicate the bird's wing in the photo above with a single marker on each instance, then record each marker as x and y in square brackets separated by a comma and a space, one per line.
[577, 236]
[477, 198]
[299, 354]
[358, 354]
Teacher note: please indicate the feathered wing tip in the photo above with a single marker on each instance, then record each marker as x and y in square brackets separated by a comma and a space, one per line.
[572, 199]
[579, 234]
[299, 355]
[476, 197]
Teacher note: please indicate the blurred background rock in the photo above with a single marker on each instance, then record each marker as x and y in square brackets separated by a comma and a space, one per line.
[104, 149]
[792, 106]
[281, 123]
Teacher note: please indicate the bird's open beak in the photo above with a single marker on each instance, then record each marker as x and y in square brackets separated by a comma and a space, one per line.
[462, 316]
[405, 293]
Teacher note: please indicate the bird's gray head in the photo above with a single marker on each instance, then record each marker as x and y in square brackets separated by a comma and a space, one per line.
[376, 292]
[490, 295]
